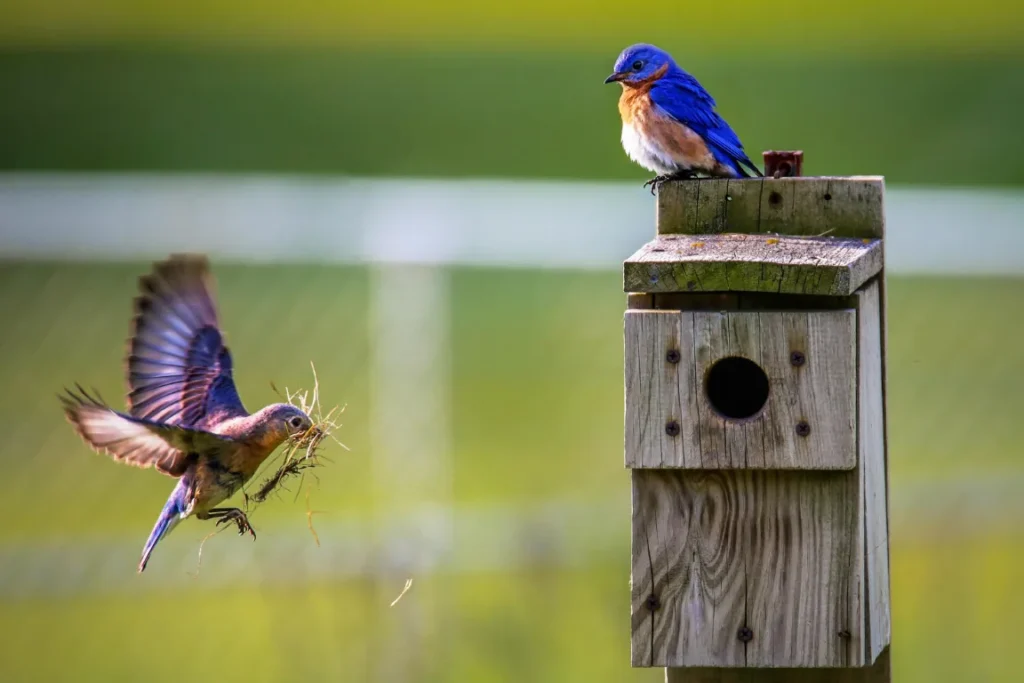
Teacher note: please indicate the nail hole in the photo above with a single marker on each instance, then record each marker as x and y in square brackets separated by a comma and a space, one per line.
[828, 196]
[774, 198]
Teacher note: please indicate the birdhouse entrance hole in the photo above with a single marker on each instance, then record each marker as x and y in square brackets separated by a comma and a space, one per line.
[737, 388]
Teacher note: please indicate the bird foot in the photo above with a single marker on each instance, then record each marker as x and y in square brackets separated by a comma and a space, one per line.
[238, 517]
[655, 182]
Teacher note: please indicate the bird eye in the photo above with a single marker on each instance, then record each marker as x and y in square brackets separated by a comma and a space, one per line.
[637, 65]
[295, 422]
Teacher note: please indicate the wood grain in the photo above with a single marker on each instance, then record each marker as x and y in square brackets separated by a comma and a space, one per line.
[821, 392]
[659, 391]
[836, 206]
[835, 266]
[726, 443]
[871, 431]
[717, 551]
[689, 565]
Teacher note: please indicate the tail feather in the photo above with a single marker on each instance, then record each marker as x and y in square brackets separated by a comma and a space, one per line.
[169, 518]
[745, 161]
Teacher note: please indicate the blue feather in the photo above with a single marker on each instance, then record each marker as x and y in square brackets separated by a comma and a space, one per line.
[168, 519]
[680, 96]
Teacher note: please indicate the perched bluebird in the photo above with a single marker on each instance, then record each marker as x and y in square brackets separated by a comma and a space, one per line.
[669, 123]
[184, 415]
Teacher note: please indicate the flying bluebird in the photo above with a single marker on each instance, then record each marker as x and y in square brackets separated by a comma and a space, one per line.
[669, 123]
[184, 415]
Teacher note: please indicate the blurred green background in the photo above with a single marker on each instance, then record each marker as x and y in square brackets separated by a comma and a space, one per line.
[925, 95]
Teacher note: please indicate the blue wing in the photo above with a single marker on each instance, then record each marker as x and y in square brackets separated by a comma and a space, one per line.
[179, 370]
[680, 96]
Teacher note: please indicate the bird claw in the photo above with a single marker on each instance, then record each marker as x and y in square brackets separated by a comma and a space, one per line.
[655, 182]
[239, 518]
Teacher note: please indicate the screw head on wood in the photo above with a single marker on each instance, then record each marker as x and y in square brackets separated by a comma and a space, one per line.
[652, 602]
[672, 428]
[672, 356]
[802, 428]
[797, 358]
[745, 634]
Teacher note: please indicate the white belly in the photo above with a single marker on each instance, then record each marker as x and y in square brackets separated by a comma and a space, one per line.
[646, 152]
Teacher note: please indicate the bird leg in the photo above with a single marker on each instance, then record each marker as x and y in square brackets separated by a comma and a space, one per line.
[232, 515]
[656, 181]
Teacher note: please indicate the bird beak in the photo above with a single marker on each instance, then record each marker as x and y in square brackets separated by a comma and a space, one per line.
[615, 77]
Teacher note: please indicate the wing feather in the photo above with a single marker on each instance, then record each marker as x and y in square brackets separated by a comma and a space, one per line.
[135, 441]
[179, 370]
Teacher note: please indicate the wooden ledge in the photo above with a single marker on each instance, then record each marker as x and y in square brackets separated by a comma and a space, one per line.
[833, 206]
[835, 266]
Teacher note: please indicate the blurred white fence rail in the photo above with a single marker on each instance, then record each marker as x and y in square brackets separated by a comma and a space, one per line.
[474, 222]
[432, 223]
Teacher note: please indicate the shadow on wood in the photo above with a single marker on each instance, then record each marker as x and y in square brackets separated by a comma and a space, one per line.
[880, 672]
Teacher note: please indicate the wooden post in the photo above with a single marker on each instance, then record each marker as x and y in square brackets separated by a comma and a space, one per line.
[755, 432]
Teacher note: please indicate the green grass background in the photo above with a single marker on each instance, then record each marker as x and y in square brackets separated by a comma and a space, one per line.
[922, 94]
[915, 119]
[553, 397]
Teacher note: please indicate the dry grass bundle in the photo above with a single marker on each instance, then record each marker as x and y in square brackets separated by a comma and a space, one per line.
[299, 455]
[301, 452]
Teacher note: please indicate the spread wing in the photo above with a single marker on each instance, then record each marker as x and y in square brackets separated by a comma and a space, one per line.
[137, 441]
[683, 98]
[179, 370]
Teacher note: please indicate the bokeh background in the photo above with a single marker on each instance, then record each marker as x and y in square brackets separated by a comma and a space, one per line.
[429, 202]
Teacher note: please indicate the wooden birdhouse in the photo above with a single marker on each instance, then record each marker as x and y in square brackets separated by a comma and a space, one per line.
[755, 427]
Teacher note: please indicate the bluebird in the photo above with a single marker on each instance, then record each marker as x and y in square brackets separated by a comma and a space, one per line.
[669, 123]
[184, 418]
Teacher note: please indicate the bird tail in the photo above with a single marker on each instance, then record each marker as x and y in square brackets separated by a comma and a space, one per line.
[745, 161]
[169, 518]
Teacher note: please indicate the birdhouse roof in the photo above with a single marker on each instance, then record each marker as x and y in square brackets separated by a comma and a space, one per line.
[733, 262]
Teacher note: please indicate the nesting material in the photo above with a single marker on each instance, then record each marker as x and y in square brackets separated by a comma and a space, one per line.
[302, 451]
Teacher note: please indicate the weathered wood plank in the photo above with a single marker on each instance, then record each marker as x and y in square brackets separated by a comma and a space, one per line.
[837, 206]
[871, 430]
[639, 301]
[818, 389]
[663, 388]
[660, 391]
[725, 443]
[799, 568]
[688, 565]
[880, 672]
[752, 263]
[717, 551]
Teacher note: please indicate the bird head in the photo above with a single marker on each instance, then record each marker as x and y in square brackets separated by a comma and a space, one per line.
[283, 420]
[640, 63]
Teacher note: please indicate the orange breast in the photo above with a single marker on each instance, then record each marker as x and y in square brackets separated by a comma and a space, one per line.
[679, 142]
